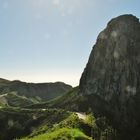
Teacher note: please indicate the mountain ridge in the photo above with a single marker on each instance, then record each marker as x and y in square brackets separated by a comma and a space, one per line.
[44, 91]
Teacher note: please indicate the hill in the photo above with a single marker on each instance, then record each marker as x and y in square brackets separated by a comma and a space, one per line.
[40, 91]
[12, 99]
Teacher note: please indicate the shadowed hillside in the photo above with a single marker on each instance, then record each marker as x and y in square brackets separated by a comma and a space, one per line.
[40, 91]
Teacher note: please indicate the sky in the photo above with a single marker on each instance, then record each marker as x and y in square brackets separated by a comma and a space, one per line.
[51, 40]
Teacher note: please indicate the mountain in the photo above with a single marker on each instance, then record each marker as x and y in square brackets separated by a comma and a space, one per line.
[12, 99]
[40, 91]
[3, 82]
[111, 79]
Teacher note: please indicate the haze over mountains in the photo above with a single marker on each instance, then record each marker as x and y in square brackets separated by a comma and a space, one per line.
[108, 94]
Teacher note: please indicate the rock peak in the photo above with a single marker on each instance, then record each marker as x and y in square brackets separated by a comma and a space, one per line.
[128, 18]
[127, 25]
[112, 74]
[115, 57]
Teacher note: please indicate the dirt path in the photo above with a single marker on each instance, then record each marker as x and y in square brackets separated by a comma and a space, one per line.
[81, 115]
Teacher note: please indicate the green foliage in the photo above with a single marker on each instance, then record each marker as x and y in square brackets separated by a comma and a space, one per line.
[15, 100]
[90, 119]
[62, 134]
[71, 122]
[47, 121]
[17, 122]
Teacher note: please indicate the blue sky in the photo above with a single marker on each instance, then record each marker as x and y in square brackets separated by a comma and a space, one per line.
[50, 40]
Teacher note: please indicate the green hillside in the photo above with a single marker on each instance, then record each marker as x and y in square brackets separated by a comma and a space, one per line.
[18, 122]
[13, 99]
[66, 101]
[62, 134]
[40, 91]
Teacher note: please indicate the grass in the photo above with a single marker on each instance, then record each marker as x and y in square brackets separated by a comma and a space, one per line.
[26, 121]
[72, 121]
[62, 134]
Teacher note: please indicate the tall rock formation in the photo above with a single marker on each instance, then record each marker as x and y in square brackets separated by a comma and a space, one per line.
[112, 73]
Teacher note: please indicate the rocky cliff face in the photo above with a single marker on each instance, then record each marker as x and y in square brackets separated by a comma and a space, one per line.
[113, 72]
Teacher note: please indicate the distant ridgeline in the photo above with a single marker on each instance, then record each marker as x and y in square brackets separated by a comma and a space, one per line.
[39, 91]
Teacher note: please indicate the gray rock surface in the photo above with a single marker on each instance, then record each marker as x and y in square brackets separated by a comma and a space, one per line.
[113, 74]
[114, 63]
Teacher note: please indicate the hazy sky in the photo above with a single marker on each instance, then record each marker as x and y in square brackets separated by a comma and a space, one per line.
[50, 40]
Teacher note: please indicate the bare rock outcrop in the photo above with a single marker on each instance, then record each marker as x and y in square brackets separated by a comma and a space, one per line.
[113, 73]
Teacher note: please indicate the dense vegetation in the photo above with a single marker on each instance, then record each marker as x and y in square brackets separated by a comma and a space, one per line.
[53, 119]
[62, 134]
[17, 122]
